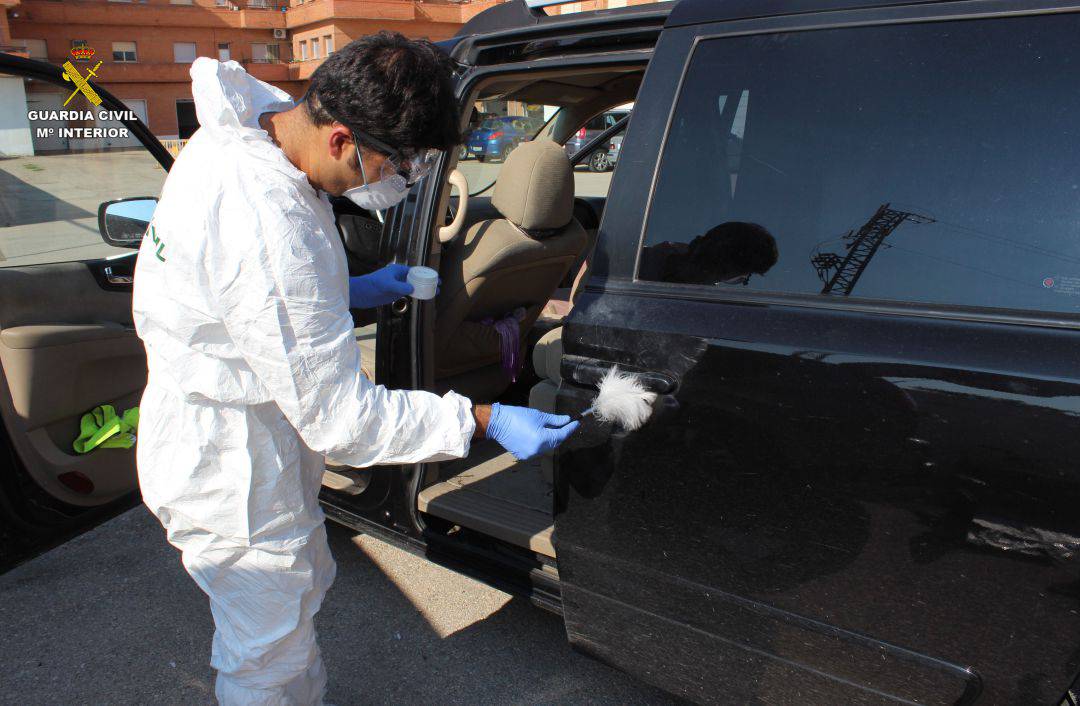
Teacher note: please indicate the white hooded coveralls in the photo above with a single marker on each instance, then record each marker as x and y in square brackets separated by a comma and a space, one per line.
[241, 297]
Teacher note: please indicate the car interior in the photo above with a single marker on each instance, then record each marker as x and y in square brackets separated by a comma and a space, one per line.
[512, 254]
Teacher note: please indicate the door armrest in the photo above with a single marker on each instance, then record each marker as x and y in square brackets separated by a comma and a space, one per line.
[45, 335]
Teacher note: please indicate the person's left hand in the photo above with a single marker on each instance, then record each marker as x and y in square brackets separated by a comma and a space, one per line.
[383, 286]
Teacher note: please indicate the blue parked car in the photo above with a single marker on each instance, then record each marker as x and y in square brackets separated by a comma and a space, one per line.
[496, 137]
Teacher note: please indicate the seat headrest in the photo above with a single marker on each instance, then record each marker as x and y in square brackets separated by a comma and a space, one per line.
[535, 189]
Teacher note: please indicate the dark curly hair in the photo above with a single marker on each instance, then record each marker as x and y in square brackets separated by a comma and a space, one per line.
[395, 89]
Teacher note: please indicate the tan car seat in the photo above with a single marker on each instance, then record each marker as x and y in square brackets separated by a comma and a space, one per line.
[499, 265]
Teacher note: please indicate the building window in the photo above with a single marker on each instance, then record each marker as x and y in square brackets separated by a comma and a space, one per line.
[303, 50]
[329, 44]
[183, 52]
[137, 106]
[123, 52]
[265, 53]
[258, 3]
[35, 48]
[314, 47]
[180, 2]
[223, 52]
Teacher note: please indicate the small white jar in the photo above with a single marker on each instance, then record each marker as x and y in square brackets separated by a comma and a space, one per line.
[425, 282]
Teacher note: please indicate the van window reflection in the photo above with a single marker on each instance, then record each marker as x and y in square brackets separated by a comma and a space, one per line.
[952, 181]
[730, 253]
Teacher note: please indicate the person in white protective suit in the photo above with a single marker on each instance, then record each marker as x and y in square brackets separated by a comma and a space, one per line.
[242, 298]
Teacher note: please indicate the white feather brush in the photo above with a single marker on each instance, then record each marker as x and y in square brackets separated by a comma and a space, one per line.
[622, 400]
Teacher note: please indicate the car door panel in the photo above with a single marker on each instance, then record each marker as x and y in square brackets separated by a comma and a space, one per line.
[67, 338]
[56, 370]
[66, 346]
[838, 501]
[740, 496]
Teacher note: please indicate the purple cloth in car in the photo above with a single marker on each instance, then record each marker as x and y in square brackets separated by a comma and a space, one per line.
[510, 343]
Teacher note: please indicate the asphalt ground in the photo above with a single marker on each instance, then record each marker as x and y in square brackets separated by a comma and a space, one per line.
[110, 617]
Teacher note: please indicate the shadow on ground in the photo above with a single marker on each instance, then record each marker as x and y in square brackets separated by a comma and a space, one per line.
[110, 617]
[24, 203]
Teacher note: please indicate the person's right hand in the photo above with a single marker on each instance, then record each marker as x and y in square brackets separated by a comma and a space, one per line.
[383, 286]
[526, 432]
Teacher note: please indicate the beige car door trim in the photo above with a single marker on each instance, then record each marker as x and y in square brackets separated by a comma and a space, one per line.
[45, 335]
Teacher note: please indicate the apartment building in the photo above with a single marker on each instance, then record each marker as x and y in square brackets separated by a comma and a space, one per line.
[146, 46]
[317, 27]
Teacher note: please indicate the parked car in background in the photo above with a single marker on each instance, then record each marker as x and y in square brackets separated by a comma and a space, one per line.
[614, 145]
[496, 137]
[476, 119]
[599, 160]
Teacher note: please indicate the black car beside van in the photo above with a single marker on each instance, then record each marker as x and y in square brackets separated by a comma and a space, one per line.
[840, 244]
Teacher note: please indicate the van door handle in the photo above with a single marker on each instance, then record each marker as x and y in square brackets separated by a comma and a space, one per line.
[113, 278]
[588, 371]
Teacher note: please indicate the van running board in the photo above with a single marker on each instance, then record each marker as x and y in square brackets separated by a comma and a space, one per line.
[350, 481]
[479, 498]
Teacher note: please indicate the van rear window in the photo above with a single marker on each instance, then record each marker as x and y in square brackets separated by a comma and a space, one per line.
[931, 163]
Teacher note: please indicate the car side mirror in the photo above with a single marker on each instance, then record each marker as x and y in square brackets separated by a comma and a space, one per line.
[123, 222]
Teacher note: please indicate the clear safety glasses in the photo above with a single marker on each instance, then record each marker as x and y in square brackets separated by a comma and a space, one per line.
[410, 165]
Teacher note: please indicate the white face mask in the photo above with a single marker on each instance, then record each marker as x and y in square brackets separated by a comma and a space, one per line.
[379, 196]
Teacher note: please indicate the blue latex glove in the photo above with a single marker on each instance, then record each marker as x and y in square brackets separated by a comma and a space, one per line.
[380, 287]
[526, 432]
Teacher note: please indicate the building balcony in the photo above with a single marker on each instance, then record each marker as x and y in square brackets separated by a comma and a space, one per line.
[451, 12]
[135, 72]
[326, 10]
[269, 72]
[144, 72]
[302, 70]
[257, 17]
[312, 11]
[82, 12]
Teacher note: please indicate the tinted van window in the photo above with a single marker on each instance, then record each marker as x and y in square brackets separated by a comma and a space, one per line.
[927, 163]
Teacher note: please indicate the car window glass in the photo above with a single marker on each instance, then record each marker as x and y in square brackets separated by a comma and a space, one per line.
[56, 173]
[495, 128]
[927, 163]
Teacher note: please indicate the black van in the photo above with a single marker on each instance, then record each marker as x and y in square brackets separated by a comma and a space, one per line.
[842, 245]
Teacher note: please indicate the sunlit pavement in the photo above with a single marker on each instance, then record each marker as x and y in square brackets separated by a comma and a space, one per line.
[480, 175]
[49, 203]
[111, 617]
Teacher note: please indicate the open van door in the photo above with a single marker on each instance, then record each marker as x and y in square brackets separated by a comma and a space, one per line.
[67, 338]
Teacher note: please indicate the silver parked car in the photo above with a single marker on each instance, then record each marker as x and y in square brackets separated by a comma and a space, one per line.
[598, 161]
